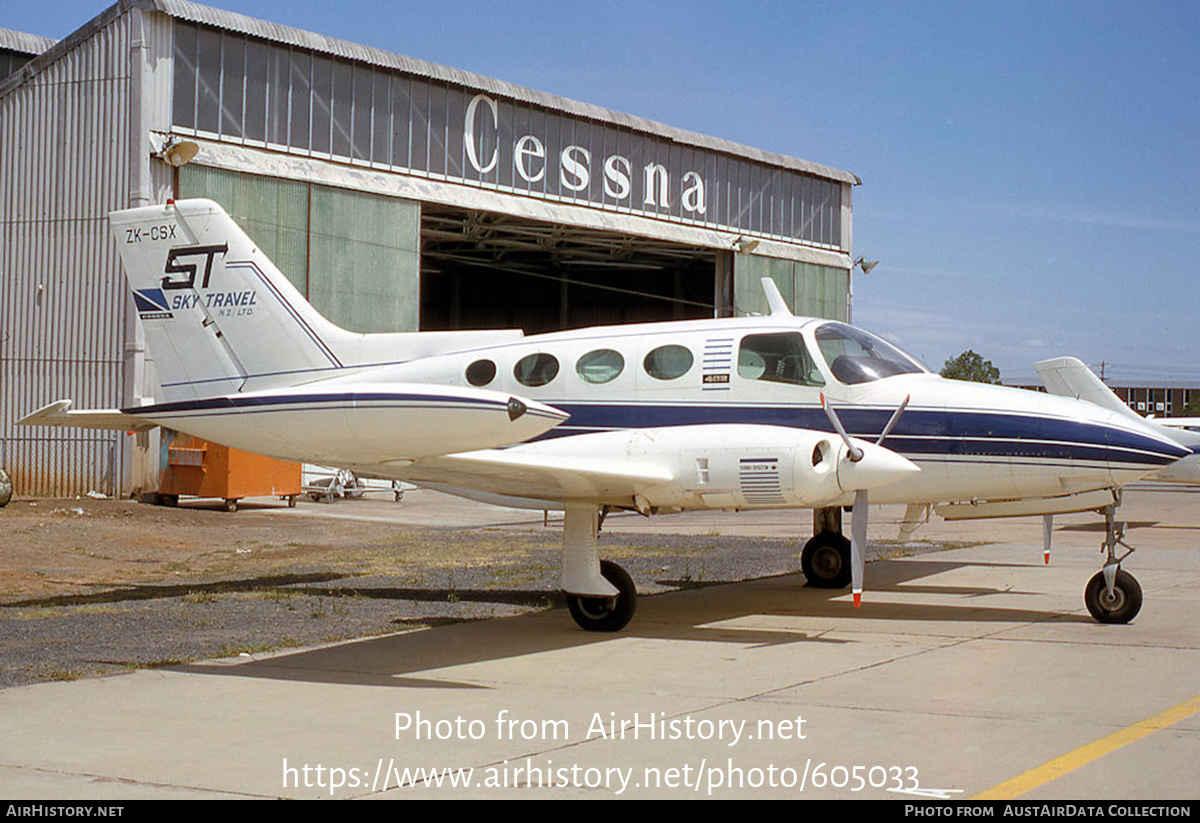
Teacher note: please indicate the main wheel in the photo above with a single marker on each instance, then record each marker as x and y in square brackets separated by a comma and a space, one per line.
[606, 614]
[1122, 606]
[825, 561]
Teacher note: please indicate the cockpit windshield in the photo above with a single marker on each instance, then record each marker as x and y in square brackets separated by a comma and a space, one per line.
[856, 356]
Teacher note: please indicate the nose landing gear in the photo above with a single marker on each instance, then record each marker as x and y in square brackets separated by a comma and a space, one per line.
[1113, 595]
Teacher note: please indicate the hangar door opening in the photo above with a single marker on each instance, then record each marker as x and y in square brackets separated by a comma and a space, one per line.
[487, 270]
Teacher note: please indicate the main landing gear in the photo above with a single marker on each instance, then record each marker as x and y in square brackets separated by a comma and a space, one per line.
[601, 595]
[825, 559]
[1113, 595]
[606, 614]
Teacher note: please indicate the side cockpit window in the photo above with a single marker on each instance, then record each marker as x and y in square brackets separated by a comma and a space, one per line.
[779, 357]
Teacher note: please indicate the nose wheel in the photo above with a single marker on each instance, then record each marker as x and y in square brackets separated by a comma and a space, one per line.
[606, 614]
[1120, 605]
[1113, 595]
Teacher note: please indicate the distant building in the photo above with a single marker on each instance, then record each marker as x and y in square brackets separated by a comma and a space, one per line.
[17, 48]
[1144, 398]
[1160, 401]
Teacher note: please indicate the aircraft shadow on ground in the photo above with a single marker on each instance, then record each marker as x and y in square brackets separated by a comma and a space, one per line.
[696, 614]
[155, 591]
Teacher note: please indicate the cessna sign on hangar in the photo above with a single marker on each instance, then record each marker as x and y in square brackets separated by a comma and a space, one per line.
[575, 165]
[512, 146]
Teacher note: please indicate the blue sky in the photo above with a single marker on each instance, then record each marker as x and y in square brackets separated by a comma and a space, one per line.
[1030, 174]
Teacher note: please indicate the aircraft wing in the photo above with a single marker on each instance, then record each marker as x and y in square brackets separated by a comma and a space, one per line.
[60, 413]
[538, 476]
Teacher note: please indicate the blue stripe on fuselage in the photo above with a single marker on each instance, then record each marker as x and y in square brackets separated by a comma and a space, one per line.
[918, 433]
[251, 402]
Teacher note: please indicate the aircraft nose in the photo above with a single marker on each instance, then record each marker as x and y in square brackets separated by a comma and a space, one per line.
[879, 466]
[1136, 449]
[1134, 441]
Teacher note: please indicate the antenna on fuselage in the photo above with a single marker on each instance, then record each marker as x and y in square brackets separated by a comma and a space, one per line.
[778, 306]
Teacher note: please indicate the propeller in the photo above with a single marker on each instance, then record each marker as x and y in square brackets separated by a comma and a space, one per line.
[893, 419]
[858, 526]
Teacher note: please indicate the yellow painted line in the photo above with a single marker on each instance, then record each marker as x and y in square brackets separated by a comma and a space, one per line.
[1069, 762]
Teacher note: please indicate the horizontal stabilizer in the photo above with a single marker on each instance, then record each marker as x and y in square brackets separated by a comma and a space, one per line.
[59, 413]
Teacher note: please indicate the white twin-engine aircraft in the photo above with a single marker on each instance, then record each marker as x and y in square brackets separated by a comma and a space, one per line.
[744, 413]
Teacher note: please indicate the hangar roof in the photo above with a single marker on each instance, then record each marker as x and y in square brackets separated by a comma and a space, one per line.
[19, 41]
[275, 32]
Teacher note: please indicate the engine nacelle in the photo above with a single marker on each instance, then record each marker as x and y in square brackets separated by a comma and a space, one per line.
[743, 466]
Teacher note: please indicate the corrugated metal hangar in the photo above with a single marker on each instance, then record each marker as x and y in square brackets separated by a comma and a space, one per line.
[396, 194]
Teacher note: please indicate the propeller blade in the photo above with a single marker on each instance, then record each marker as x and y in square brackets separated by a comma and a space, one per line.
[858, 545]
[895, 418]
[856, 453]
[1047, 528]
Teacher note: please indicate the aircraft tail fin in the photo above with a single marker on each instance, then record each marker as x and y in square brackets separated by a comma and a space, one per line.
[1069, 377]
[220, 318]
[217, 312]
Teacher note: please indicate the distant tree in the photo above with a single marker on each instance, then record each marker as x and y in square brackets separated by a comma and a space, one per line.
[970, 366]
[1191, 409]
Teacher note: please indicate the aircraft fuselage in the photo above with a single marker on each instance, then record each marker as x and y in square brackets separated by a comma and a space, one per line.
[971, 441]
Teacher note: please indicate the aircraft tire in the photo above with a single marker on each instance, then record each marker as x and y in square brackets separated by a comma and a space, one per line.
[1122, 607]
[606, 614]
[825, 561]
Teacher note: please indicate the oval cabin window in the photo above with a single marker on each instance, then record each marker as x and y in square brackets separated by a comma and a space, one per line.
[536, 369]
[668, 362]
[599, 366]
[481, 372]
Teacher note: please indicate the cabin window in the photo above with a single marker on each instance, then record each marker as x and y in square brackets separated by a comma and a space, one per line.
[778, 358]
[536, 369]
[481, 372]
[599, 366]
[668, 362]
